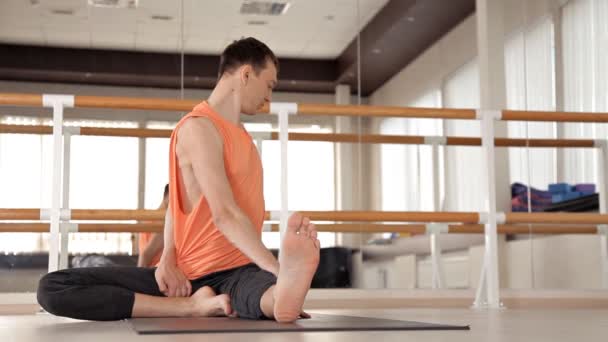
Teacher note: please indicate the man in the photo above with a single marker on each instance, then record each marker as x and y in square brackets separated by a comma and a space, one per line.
[213, 244]
[151, 244]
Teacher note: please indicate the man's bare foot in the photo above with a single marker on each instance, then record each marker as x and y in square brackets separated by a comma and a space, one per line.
[298, 261]
[207, 304]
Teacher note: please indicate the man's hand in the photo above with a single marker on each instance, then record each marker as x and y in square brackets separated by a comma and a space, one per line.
[171, 280]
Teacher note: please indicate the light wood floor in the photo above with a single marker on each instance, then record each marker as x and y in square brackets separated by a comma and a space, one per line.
[493, 325]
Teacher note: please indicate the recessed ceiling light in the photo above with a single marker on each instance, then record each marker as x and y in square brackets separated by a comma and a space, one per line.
[257, 22]
[264, 7]
[62, 12]
[114, 3]
[411, 19]
[376, 51]
[161, 17]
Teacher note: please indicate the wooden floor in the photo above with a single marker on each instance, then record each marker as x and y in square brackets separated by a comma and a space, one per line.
[494, 325]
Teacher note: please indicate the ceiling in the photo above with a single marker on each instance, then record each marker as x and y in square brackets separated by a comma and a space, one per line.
[309, 28]
[70, 41]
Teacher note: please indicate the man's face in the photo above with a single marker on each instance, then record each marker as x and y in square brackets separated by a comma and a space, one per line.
[258, 88]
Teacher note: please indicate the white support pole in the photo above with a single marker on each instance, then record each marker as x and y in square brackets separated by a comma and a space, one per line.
[436, 260]
[63, 250]
[490, 296]
[259, 142]
[284, 138]
[283, 110]
[434, 230]
[58, 103]
[602, 148]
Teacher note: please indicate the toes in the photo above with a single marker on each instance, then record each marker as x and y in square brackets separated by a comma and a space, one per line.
[305, 229]
[294, 223]
[318, 244]
[313, 233]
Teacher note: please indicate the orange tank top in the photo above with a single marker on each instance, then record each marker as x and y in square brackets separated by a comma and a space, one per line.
[200, 247]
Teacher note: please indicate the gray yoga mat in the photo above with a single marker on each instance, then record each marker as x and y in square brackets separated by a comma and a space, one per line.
[316, 323]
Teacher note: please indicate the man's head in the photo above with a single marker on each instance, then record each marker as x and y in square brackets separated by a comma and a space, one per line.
[252, 68]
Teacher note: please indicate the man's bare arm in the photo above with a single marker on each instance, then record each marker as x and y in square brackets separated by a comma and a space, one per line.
[170, 279]
[202, 147]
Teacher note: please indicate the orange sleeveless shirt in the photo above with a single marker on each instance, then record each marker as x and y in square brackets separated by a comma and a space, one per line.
[200, 247]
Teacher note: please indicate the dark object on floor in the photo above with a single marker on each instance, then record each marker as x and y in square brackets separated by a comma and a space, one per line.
[316, 323]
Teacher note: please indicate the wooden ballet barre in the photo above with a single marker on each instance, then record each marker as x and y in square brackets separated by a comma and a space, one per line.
[415, 229]
[35, 100]
[87, 214]
[345, 216]
[158, 215]
[547, 116]
[151, 227]
[16, 99]
[386, 111]
[327, 137]
[556, 218]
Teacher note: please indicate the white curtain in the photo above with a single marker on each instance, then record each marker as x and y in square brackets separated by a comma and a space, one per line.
[529, 73]
[310, 182]
[463, 164]
[407, 183]
[585, 44]
[157, 165]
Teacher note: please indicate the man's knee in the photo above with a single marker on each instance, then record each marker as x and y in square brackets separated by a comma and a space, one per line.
[47, 294]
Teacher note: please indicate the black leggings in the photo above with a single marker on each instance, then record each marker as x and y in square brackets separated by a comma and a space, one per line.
[108, 293]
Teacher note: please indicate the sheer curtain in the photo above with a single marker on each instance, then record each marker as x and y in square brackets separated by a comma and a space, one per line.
[585, 44]
[463, 164]
[529, 71]
[407, 182]
[311, 178]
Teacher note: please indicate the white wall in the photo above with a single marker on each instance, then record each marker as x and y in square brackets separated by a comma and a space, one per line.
[452, 51]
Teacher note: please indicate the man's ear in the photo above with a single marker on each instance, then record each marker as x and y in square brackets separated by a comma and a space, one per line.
[245, 73]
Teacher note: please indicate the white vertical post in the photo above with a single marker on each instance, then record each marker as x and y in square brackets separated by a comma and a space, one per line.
[284, 138]
[436, 260]
[259, 142]
[283, 110]
[63, 250]
[58, 103]
[490, 261]
[492, 90]
[602, 149]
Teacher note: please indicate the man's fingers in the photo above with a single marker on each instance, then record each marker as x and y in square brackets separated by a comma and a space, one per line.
[162, 287]
[188, 288]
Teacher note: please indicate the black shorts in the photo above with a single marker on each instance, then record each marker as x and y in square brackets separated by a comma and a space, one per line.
[244, 285]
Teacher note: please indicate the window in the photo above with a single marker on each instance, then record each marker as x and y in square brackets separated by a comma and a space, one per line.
[463, 164]
[310, 178]
[529, 72]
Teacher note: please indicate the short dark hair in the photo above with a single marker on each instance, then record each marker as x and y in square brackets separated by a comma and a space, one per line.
[246, 51]
[166, 193]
